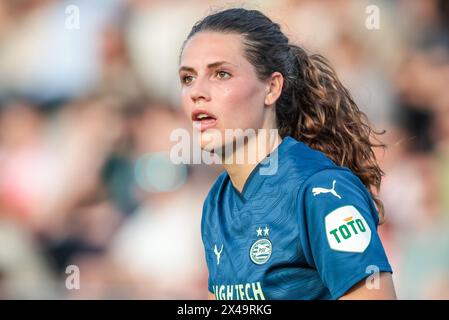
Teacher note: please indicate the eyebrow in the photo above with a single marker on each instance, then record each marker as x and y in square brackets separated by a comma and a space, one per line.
[209, 66]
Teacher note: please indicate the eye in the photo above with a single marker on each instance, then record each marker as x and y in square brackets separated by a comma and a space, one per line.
[186, 79]
[223, 74]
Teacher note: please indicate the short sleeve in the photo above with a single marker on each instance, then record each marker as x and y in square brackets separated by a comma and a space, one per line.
[338, 225]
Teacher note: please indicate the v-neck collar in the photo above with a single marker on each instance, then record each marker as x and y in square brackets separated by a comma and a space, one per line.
[255, 179]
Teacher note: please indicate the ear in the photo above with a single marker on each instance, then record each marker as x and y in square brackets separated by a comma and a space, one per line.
[274, 88]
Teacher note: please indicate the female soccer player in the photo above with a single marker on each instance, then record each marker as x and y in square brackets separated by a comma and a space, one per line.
[306, 230]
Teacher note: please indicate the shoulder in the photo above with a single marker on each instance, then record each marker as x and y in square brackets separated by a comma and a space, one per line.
[214, 194]
[302, 163]
[210, 202]
[331, 180]
[217, 188]
[315, 167]
[332, 190]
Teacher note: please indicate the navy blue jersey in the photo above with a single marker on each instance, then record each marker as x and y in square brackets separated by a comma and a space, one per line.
[309, 231]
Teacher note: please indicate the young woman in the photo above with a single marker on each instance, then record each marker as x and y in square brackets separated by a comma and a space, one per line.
[308, 229]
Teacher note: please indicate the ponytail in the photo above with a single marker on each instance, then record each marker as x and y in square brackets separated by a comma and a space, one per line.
[323, 115]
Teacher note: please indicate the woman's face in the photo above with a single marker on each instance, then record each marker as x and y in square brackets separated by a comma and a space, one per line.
[220, 88]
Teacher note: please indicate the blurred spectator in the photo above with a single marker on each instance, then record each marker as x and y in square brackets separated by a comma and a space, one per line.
[162, 255]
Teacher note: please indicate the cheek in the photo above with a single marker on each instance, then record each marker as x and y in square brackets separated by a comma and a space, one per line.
[242, 105]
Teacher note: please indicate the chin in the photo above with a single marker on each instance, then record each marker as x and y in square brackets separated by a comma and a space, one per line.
[211, 140]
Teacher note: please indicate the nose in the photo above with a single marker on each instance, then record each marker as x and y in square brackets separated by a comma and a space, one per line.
[200, 90]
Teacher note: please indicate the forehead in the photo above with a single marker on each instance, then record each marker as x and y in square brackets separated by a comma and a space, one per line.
[208, 47]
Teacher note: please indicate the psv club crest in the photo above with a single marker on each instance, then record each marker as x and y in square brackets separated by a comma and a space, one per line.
[260, 251]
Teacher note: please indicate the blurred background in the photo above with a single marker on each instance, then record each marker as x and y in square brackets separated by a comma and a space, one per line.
[89, 94]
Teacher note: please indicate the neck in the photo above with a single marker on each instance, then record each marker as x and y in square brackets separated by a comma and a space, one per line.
[239, 171]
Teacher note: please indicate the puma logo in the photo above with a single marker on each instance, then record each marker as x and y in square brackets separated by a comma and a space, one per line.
[317, 190]
[218, 253]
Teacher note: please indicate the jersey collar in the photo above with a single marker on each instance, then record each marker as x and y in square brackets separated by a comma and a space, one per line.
[262, 171]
